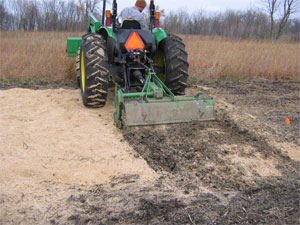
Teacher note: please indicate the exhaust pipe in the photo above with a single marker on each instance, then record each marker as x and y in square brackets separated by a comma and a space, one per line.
[152, 13]
[103, 12]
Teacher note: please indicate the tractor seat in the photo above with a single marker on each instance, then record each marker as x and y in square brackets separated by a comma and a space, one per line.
[130, 24]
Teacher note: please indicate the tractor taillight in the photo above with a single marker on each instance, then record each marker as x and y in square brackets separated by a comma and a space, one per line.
[108, 14]
[134, 41]
[108, 18]
[108, 22]
[156, 17]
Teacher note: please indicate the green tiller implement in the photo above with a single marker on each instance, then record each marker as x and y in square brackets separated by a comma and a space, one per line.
[148, 67]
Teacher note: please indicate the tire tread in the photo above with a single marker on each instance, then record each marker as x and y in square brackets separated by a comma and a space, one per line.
[96, 71]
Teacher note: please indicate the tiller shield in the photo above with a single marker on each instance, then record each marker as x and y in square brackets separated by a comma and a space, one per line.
[157, 105]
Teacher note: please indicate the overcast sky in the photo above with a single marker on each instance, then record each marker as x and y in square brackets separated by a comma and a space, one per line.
[192, 5]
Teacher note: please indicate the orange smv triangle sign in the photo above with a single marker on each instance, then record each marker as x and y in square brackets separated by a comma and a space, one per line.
[287, 121]
[134, 42]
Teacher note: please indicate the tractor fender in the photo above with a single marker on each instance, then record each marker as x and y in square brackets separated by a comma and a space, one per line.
[159, 35]
[106, 32]
[111, 40]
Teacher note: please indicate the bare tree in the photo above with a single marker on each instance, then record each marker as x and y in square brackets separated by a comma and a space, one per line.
[281, 9]
[85, 7]
[72, 15]
[271, 7]
[289, 7]
[3, 14]
[89, 6]
[26, 13]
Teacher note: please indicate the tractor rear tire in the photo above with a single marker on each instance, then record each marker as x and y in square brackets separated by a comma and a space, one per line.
[94, 73]
[176, 64]
[78, 68]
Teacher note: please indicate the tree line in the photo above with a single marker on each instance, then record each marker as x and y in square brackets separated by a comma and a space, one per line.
[47, 15]
[272, 21]
[249, 24]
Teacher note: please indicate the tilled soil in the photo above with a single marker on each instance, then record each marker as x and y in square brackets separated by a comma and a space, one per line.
[274, 201]
[242, 168]
[271, 102]
[217, 154]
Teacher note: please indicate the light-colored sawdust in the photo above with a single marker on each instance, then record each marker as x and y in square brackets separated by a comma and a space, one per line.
[50, 142]
[261, 166]
[289, 149]
[252, 165]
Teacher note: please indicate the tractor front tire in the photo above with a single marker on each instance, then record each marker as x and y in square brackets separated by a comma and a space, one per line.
[94, 73]
[175, 64]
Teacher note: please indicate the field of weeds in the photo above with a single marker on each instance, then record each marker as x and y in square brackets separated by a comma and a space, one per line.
[42, 56]
[35, 55]
[217, 57]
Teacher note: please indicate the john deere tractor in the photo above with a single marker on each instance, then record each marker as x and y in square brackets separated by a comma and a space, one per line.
[147, 66]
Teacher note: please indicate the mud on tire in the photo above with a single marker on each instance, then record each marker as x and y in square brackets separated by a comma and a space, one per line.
[78, 68]
[176, 64]
[94, 73]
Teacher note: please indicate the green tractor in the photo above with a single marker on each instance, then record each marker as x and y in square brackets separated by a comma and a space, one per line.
[148, 67]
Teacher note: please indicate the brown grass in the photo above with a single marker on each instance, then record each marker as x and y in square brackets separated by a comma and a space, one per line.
[216, 57]
[42, 55]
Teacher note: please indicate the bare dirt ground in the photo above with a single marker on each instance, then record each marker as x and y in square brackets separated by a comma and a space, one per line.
[64, 164]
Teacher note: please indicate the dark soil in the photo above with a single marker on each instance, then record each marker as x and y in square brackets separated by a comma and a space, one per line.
[200, 181]
[195, 153]
[271, 101]
[274, 201]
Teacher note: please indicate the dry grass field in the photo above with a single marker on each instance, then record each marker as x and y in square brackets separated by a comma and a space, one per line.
[216, 57]
[35, 55]
[42, 55]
